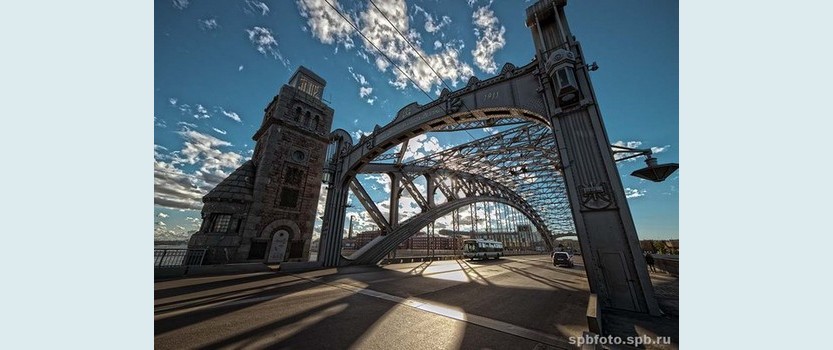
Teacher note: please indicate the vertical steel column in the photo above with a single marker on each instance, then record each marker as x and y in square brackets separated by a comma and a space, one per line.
[430, 187]
[332, 228]
[615, 268]
[395, 194]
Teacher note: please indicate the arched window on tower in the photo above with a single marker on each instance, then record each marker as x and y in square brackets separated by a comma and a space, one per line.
[316, 123]
[297, 116]
[306, 120]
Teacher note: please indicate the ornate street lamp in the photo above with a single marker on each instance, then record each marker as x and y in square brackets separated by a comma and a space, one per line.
[653, 172]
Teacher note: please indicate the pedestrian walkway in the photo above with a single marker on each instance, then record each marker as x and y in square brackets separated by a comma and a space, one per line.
[625, 324]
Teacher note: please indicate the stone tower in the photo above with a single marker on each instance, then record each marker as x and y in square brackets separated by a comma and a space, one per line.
[265, 210]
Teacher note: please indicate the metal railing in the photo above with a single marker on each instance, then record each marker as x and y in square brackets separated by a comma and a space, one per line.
[177, 257]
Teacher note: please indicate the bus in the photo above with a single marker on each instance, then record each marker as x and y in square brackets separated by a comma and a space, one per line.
[482, 249]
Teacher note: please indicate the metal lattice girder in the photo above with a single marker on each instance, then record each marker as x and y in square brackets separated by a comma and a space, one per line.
[369, 205]
[480, 124]
[522, 159]
[402, 149]
[447, 192]
[408, 182]
[477, 186]
[377, 249]
[506, 99]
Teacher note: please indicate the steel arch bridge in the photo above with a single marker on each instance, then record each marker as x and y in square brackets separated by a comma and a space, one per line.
[551, 96]
[518, 167]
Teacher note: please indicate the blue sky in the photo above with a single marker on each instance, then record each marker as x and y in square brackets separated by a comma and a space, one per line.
[218, 64]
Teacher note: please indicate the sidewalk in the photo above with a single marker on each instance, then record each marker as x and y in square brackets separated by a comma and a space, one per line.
[628, 324]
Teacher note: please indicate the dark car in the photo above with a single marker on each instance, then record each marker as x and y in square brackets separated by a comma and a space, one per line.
[561, 259]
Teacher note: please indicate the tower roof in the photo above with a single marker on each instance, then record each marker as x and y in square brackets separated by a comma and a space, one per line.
[236, 187]
[310, 74]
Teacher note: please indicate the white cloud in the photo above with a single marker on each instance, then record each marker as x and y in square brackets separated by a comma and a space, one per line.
[489, 39]
[633, 193]
[437, 44]
[383, 35]
[208, 24]
[330, 28]
[184, 108]
[253, 6]
[381, 63]
[174, 188]
[431, 25]
[219, 131]
[162, 215]
[364, 89]
[161, 123]
[187, 125]
[180, 4]
[325, 23]
[421, 146]
[656, 150]
[172, 101]
[357, 77]
[490, 131]
[163, 233]
[202, 112]
[160, 153]
[363, 56]
[628, 144]
[202, 148]
[234, 116]
[240, 68]
[636, 145]
[322, 203]
[381, 179]
[265, 43]
[357, 135]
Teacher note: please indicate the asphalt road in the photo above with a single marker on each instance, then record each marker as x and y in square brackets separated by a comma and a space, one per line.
[512, 303]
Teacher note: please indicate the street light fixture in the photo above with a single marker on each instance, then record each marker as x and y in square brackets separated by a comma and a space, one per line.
[655, 172]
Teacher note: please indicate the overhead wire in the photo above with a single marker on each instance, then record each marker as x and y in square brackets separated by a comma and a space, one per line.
[377, 48]
[423, 60]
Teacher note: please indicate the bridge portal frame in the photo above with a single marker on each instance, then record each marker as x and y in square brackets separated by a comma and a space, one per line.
[555, 90]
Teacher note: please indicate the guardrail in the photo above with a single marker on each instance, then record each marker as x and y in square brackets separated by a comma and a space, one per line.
[449, 255]
[668, 265]
[177, 257]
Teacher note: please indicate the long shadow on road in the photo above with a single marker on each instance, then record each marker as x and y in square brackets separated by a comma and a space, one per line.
[311, 314]
[180, 286]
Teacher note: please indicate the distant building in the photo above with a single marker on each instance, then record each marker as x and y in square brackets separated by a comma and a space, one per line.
[422, 241]
[671, 246]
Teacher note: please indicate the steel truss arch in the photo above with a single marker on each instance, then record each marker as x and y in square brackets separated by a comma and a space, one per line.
[521, 163]
[512, 97]
[376, 250]
[475, 188]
